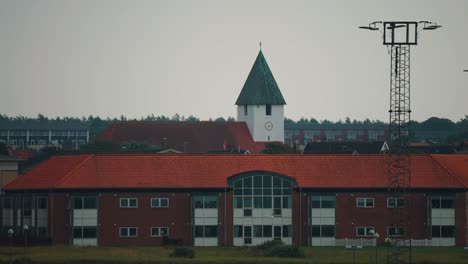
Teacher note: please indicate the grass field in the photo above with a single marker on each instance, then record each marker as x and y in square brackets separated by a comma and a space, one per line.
[228, 255]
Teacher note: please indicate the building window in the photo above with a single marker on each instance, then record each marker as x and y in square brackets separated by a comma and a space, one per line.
[395, 203]
[323, 230]
[41, 203]
[159, 231]
[395, 231]
[206, 202]
[364, 230]
[268, 110]
[84, 232]
[159, 202]
[365, 202]
[442, 202]
[206, 231]
[238, 231]
[128, 231]
[323, 201]
[443, 231]
[246, 110]
[128, 203]
[85, 202]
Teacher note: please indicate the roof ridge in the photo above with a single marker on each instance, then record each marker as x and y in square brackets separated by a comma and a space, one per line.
[73, 171]
[454, 175]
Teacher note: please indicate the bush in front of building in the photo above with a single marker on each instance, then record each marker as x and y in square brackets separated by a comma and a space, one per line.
[183, 252]
[285, 251]
[267, 245]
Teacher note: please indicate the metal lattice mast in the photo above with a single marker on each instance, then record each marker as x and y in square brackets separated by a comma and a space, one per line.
[399, 37]
[399, 173]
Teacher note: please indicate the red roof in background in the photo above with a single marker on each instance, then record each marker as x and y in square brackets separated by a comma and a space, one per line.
[21, 154]
[200, 137]
[212, 171]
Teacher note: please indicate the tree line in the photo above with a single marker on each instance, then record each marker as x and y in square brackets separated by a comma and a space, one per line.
[458, 130]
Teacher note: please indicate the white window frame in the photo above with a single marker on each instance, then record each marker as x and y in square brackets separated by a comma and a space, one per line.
[396, 202]
[159, 228]
[128, 231]
[366, 231]
[128, 202]
[397, 227]
[365, 202]
[159, 199]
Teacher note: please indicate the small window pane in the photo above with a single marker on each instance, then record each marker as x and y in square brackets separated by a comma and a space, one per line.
[154, 231]
[247, 202]
[258, 182]
[164, 202]
[89, 232]
[257, 191]
[247, 212]
[77, 203]
[328, 201]
[447, 231]
[133, 202]
[258, 202]
[277, 191]
[123, 232]
[267, 231]
[41, 203]
[78, 232]
[247, 182]
[267, 202]
[164, 231]
[361, 231]
[315, 200]
[435, 203]
[90, 202]
[211, 202]
[286, 191]
[276, 202]
[266, 191]
[132, 231]
[155, 203]
[238, 184]
[266, 181]
[238, 202]
[198, 231]
[277, 231]
[316, 231]
[435, 231]
[286, 184]
[286, 202]
[287, 231]
[276, 182]
[447, 203]
[123, 202]
[258, 231]
[237, 231]
[211, 231]
[328, 231]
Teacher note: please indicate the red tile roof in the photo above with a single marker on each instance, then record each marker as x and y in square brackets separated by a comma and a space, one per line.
[212, 171]
[192, 137]
[456, 165]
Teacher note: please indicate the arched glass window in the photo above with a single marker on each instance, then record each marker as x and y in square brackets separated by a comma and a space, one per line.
[262, 191]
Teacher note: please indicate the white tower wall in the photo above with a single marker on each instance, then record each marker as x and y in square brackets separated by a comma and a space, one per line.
[258, 121]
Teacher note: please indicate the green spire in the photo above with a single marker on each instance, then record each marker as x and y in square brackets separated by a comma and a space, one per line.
[260, 87]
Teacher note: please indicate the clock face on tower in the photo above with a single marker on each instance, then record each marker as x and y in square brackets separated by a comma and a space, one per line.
[268, 125]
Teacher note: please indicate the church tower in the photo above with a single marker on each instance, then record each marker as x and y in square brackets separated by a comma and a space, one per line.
[261, 104]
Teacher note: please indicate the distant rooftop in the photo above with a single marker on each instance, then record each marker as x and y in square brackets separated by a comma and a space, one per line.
[41, 125]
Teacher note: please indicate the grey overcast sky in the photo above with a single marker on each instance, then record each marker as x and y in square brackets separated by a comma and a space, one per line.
[107, 58]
